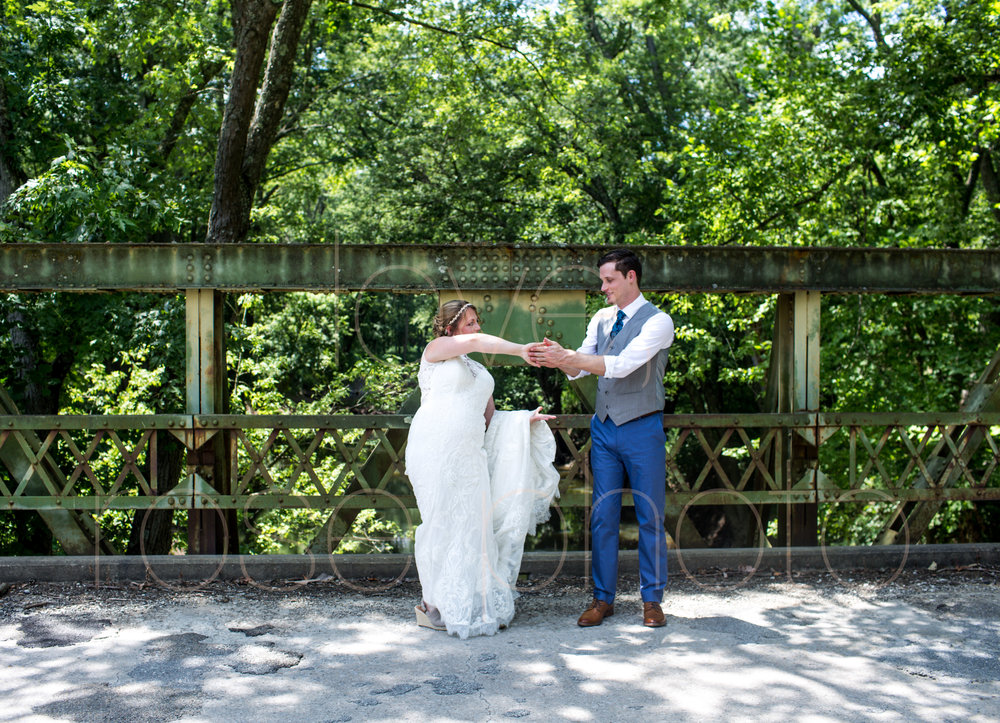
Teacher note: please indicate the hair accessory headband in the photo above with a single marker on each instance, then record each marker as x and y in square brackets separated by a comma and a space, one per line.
[456, 316]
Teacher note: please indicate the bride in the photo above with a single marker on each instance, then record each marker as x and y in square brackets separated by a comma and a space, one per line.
[483, 480]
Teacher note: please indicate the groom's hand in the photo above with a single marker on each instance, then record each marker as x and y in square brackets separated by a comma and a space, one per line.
[548, 353]
[531, 352]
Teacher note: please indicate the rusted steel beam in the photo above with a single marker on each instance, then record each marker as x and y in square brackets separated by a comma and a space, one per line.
[169, 268]
[205, 383]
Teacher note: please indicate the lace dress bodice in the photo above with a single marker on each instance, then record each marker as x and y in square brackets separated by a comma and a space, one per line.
[460, 383]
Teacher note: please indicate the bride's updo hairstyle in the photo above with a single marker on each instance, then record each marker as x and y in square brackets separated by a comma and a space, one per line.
[449, 315]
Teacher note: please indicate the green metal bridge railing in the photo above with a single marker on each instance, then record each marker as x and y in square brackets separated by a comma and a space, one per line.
[70, 468]
[345, 463]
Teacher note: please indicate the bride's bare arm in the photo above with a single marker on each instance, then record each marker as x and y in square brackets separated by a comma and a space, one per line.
[448, 347]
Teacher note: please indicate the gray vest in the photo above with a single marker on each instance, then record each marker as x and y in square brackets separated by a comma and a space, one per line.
[641, 392]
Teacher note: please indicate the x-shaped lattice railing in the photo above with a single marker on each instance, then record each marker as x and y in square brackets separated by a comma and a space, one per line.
[954, 446]
[71, 462]
[46, 457]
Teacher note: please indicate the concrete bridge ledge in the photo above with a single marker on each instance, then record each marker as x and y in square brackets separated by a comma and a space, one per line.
[178, 569]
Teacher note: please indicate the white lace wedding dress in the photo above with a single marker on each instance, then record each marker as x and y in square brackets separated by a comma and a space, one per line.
[479, 491]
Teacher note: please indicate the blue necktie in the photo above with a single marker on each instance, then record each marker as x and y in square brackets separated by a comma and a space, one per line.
[619, 323]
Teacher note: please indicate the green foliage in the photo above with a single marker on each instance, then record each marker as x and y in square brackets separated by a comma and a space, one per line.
[721, 351]
[371, 534]
[320, 354]
[280, 532]
[615, 121]
[102, 354]
[517, 387]
[109, 119]
[24, 533]
[936, 347]
[284, 350]
[85, 351]
[81, 198]
[965, 522]
[854, 523]
[326, 353]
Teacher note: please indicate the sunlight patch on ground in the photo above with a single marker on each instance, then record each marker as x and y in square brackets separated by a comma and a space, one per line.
[371, 638]
[575, 713]
[603, 668]
[594, 688]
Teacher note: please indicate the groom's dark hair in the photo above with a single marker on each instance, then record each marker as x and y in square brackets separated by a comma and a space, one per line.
[625, 261]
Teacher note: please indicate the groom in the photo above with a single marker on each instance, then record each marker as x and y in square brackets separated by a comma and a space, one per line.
[626, 345]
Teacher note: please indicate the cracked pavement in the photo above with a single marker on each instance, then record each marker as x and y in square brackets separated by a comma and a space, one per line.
[924, 646]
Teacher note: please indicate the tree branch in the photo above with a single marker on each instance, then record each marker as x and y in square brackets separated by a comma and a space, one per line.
[184, 106]
[969, 187]
[877, 172]
[874, 22]
[464, 36]
[610, 49]
[598, 191]
[811, 198]
[657, 71]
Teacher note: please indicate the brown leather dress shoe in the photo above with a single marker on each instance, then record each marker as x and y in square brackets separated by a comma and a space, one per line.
[595, 614]
[652, 615]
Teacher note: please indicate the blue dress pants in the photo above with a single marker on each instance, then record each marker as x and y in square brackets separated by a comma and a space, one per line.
[635, 451]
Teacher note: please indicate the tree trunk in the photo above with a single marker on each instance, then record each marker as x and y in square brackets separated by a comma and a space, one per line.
[990, 182]
[35, 394]
[251, 20]
[274, 91]
[152, 532]
[248, 130]
[598, 192]
[10, 172]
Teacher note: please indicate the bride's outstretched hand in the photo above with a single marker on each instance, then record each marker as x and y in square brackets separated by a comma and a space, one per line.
[537, 416]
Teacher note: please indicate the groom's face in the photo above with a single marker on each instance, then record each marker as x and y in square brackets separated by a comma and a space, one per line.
[615, 287]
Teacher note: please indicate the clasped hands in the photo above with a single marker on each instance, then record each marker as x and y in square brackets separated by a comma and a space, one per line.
[544, 353]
